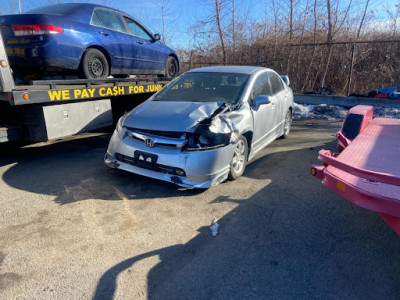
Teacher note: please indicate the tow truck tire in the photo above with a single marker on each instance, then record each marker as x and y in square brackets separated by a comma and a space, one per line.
[239, 159]
[171, 68]
[94, 65]
[287, 124]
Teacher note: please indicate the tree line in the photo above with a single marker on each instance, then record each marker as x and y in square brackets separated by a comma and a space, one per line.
[330, 44]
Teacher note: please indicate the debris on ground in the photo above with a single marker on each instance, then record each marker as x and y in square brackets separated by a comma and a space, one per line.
[214, 227]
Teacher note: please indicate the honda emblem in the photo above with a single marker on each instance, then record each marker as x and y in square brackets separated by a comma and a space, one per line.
[149, 143]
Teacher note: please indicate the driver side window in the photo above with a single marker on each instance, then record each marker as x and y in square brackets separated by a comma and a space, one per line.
[137, 30]
[260, 87]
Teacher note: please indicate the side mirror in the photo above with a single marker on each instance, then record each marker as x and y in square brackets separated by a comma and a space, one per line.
[262, 100]
[285, 78]
[157, 36]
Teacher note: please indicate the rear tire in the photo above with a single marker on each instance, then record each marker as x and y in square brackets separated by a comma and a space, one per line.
[94, 65]
[172, 67]
[239, 159]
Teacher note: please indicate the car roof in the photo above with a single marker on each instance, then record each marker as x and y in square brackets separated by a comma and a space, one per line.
[229, 69]
[71, 6]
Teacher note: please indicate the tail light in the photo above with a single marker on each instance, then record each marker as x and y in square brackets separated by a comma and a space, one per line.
[35, 29]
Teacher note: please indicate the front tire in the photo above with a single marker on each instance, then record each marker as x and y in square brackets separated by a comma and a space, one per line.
[287, 124]
[239, 159]
[94, 65]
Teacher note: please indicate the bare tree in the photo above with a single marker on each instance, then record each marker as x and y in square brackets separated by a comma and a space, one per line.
[213, 25]
[313, 49]
[353, 47]
[290, 35]
[167, 11]
[218, 7]
[333, 28]
[393, 18]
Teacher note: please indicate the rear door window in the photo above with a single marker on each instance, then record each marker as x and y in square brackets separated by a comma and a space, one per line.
[276, 83]
[108, 19]
[95, 20]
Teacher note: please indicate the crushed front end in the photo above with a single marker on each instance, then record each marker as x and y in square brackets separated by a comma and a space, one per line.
[198, 159]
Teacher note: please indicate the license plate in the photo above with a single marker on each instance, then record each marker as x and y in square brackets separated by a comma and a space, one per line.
[15, 51]
[144, 158]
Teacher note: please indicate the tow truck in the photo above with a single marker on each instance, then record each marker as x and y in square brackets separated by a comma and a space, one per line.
[366, 168]
[51, 109]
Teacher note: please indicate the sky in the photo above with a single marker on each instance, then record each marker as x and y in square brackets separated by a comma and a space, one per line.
[181, 14]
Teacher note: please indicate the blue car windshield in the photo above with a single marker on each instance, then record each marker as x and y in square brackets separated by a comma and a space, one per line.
[205, 87]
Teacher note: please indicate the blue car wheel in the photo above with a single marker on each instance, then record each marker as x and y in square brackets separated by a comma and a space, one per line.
[171, 69]
[94, 65]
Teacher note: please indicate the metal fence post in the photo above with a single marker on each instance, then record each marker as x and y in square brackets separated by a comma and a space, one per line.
[351, 69]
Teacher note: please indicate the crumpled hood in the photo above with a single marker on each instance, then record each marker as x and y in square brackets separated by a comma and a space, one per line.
[170, 116]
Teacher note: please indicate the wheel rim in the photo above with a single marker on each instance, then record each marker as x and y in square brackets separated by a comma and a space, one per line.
[288, 122]
[239, 157]
[172, 69]
[96, 67]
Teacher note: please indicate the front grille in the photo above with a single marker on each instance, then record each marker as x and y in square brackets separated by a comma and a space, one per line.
[158, 138]
[157, 133]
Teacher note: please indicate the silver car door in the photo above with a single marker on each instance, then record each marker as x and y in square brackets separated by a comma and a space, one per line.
[264, 119]
[280, 98]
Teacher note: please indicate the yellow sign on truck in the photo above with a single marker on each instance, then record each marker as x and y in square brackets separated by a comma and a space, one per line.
[101, 92]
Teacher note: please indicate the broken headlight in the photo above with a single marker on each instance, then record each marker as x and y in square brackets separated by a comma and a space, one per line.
[218, 133]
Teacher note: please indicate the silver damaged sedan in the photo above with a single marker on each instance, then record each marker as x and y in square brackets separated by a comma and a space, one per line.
[204, 126]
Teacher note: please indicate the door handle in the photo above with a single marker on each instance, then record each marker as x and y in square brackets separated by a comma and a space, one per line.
[139, 42]
[103, 33]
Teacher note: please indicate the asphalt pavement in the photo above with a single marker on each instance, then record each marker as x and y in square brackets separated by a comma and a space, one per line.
[72, 228]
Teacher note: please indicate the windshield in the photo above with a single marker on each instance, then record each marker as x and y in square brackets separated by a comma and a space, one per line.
[205, 87]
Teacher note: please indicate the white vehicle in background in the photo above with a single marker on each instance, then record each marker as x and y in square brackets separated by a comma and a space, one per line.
[204, 126]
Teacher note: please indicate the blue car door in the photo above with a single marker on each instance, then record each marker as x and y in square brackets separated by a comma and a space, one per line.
[116, 39]
[150, 53]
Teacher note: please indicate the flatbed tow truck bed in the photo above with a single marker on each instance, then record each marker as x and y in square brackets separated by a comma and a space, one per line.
[367, 171]
[51, 91]
[52, 109]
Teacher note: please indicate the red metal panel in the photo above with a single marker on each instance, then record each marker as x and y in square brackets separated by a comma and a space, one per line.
[367, 172]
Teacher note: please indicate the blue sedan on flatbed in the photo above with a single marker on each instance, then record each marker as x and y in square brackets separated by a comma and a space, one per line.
[93, 41]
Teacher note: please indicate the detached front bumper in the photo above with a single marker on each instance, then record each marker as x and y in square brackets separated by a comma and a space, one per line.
[194, 169]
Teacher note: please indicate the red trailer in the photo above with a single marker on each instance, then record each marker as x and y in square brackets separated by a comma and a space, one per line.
[367, 170]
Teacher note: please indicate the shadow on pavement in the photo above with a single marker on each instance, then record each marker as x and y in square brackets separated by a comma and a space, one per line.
[73, 170]
[291, 239]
